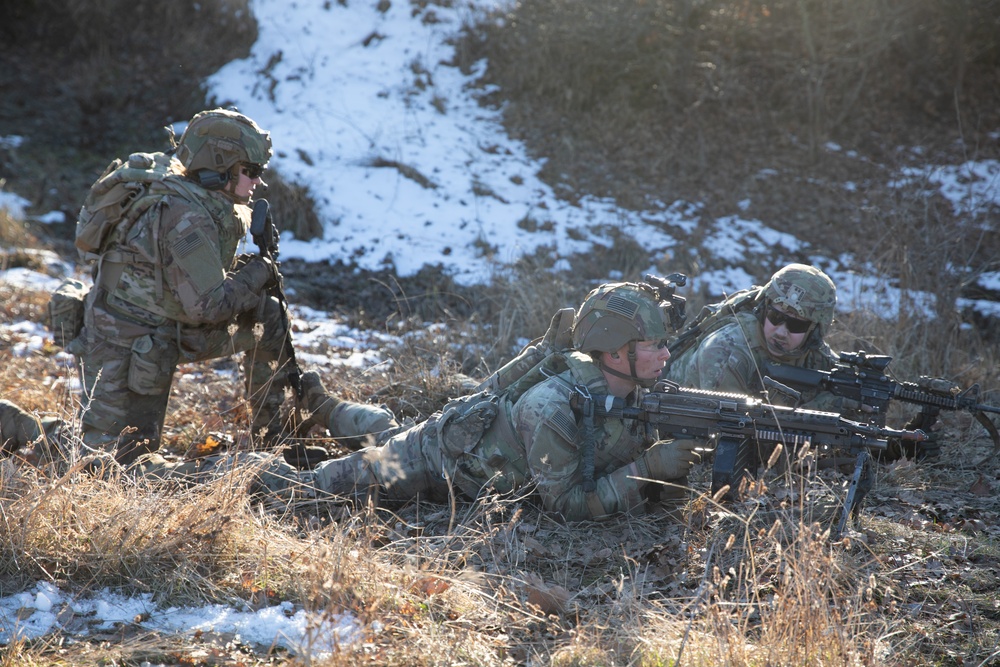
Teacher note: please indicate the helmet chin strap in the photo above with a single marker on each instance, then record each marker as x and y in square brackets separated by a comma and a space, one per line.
[647, 383]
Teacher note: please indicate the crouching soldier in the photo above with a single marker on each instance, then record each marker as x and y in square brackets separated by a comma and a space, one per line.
[537, 430]
[163, 231]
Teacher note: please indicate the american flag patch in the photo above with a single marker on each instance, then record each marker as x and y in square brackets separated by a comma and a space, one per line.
[564, 425]
[624, 307]
[187, 244]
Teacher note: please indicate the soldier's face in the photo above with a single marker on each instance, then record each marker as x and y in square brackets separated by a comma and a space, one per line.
[650, 358]
[780, 341]
[245, 185]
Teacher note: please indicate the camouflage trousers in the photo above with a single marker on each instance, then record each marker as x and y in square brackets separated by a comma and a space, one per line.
[453, 452]
[408, 465]
[126, 380]
[19, 428]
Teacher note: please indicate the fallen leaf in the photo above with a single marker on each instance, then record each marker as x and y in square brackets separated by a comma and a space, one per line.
[603, 554]
[534, 547]
[430, 586]
[981, 487]
[549, 598]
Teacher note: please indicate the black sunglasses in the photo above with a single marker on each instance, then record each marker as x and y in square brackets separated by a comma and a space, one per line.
[793, 324]
[252, 170]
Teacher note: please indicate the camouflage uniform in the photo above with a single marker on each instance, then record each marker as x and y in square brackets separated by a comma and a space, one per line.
[535, 439]
[729, 358]
[526, 433]
[169, 288]
[19, 428]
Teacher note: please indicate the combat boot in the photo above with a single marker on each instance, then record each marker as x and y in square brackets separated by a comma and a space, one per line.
[270, 475]
[352, 424]
[19, 429]
[349, 476]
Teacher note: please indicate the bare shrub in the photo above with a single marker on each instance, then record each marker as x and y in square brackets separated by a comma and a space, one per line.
[294, 208]
[13, 232]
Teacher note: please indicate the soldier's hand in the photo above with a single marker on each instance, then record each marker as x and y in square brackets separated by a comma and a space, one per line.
[242, 259]
[258, 273]
[927, 449]
[930, 447]
[670, 459]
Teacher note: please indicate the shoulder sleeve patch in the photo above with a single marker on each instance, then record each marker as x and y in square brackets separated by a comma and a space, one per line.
[195, 256]
[563, 423]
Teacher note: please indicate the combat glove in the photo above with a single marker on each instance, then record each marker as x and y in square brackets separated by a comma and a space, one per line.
[668, 459]
[257, 274]
[928, 449]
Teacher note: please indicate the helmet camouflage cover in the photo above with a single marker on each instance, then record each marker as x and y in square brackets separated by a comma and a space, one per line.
[220, 139]
[805, 290]
[616, 313]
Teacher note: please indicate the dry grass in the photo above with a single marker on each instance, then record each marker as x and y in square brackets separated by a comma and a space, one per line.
[689, 104]
[663, 100]
[759, 583]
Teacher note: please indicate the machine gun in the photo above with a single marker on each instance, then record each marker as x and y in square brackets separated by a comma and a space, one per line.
[862, 377]
[740, 424]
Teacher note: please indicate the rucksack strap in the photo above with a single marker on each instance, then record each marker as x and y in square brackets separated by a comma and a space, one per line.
[583, 407]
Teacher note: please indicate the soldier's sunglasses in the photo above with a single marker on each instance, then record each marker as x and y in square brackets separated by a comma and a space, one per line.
[252, 170]
[793, 324]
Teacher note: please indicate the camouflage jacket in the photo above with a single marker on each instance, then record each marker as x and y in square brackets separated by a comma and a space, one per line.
[546, 427]
[176, 261]
[729, 358]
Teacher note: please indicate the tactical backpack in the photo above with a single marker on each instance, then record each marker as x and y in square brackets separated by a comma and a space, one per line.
[538, 359]
[712, 317]
[121, 193]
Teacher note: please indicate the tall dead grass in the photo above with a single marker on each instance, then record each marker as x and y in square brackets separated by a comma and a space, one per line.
[630, 70]
[656, 101]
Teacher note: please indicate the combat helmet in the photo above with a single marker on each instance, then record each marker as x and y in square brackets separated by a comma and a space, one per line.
[618, 314]
[805, 290]
[219, 139]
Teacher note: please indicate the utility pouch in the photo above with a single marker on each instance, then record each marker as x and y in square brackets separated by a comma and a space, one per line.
[66, 307]
[151, 365]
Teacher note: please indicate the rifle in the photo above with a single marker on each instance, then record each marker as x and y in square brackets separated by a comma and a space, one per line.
[265, 237]
[741, 424]
[862, 377]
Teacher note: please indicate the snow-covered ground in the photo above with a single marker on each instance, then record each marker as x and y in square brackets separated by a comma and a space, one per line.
[408, 169]
[38, 611]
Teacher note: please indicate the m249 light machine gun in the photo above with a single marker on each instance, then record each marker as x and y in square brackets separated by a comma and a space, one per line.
[863, 378]
[740, 425]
